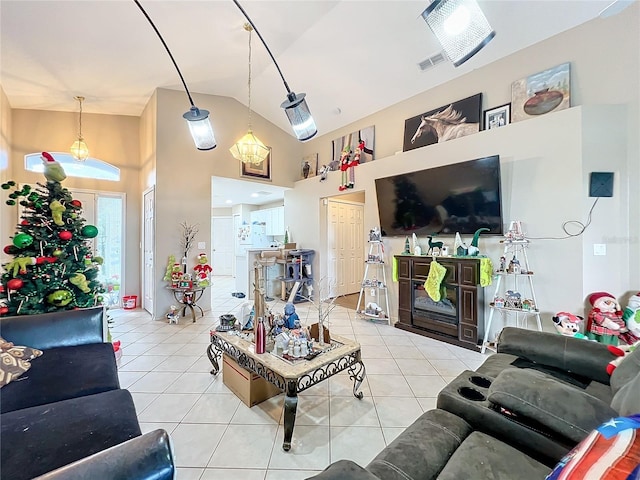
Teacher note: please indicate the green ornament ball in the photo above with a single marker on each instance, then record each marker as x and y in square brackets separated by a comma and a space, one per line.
[98, 260]
[22, 240]
[89, 231]
[60, 298]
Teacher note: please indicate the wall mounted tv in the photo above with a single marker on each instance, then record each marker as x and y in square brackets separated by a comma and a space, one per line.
[461, 197]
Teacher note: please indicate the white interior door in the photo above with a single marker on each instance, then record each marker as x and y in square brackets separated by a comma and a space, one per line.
[223, 255]
[345, 248]
[148, 242]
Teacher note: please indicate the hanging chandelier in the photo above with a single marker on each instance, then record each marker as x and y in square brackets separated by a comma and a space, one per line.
[249, 149]
[79, 149]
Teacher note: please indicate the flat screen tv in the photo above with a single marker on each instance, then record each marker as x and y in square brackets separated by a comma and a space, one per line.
[461, 197]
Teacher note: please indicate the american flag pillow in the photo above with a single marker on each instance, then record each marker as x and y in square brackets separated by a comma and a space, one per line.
[611, 452]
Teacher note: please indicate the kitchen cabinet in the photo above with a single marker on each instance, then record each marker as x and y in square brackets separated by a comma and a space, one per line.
[273, 218]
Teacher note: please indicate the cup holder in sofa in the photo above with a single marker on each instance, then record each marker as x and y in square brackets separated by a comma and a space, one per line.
[480, 381]
[471, 394]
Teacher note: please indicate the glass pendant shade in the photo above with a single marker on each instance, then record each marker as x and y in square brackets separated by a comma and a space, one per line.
[297, 110]
[200, 128]
[460, 27]
[249, 149]
[79, 150]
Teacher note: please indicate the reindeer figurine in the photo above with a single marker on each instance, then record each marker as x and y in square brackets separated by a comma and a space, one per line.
[433, 245]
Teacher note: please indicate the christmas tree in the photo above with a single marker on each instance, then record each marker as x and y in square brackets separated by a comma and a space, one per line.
[53, 267]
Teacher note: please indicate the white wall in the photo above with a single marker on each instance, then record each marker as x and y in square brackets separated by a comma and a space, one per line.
[183, 174]
[545, 164]
[7, 224]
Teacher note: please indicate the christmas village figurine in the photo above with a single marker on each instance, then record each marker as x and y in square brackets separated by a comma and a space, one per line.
[375, 235]
[53, 267]
[515, 233]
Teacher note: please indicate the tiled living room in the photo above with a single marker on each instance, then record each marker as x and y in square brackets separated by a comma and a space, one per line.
[102, 173]
[166, 369]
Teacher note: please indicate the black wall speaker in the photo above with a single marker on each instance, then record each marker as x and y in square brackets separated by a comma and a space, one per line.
[601, 184]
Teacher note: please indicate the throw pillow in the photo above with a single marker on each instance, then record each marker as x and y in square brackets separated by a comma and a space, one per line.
[611, 451]
[14, 360]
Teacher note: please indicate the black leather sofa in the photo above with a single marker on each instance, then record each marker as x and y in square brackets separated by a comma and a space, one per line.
[67, 416]
[514, 418]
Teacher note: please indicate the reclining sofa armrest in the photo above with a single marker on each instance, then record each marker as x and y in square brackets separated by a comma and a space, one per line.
[148, 457]
[56, 329]
[344, 469]
[575, 355]
[559, 407]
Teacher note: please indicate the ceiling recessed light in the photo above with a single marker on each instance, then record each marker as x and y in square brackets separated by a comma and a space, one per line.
[254, 195]
[228, 201]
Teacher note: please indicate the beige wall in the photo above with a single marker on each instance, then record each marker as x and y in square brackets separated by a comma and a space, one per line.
[7, 226]
[546, 161]
[112, 138]
[183, 174]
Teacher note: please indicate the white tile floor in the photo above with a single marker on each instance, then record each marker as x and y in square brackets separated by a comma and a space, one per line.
[216, 436]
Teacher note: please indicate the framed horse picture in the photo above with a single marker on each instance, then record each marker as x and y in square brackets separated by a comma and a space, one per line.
[445, 123]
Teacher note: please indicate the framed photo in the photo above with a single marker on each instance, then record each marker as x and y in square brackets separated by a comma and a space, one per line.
[497, 117]
[261, 171]
[541, 93]
[309, 167]
[442, 124]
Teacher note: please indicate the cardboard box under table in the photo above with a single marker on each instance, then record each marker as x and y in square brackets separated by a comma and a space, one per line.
[248, 387]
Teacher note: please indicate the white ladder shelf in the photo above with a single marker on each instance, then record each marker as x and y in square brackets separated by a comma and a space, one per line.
[373, 289]
[511, 302]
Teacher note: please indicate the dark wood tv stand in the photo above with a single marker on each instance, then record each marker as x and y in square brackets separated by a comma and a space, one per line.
[465, 327]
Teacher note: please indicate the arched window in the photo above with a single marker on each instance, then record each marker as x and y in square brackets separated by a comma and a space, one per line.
[90, 168]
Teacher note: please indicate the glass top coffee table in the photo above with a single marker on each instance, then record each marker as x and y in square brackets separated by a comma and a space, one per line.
[290, 377]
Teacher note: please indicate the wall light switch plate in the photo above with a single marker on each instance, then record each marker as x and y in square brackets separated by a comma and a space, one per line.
[599, 249]
[202, 245]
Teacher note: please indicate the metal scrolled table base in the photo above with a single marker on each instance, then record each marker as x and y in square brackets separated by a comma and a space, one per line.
[290, 386]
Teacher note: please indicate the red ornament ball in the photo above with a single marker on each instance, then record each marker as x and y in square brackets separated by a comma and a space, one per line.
[65, 235]
[24, 222]
[76, 203]
[15, 284]
[4, 310]
[10, 249]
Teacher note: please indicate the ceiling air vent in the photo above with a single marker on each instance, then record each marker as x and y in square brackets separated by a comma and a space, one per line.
[432, 61]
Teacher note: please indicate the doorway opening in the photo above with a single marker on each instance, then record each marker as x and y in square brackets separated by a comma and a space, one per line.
[106, 210]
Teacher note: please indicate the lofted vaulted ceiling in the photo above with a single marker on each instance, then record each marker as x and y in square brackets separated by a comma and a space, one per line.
[352, 58]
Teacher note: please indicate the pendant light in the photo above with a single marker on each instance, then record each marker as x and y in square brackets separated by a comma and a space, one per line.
[79, 149]
[249, 149]
[460, 27]
[295, 106]
[197, 119]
